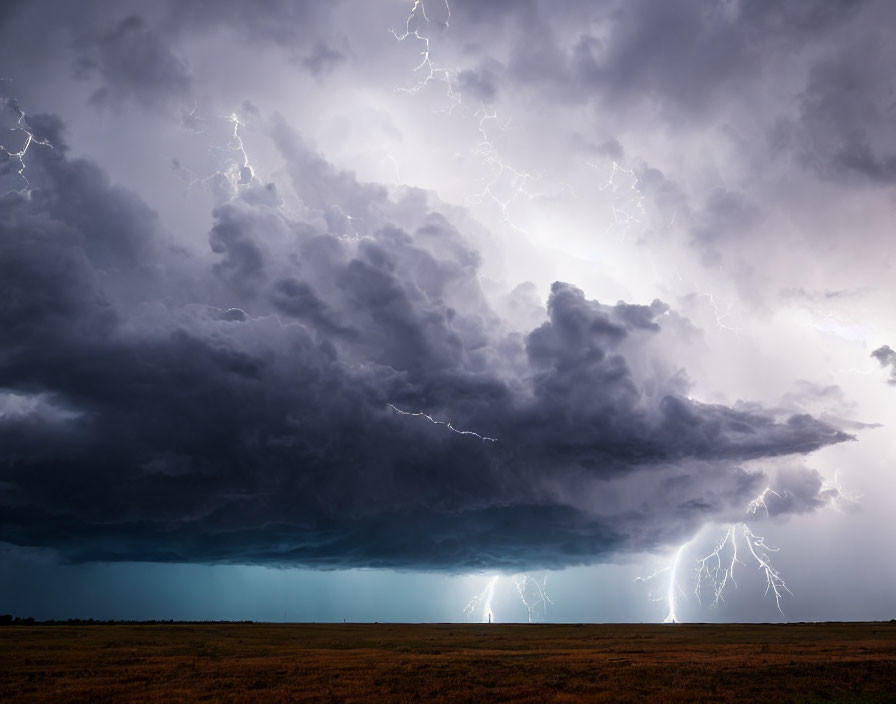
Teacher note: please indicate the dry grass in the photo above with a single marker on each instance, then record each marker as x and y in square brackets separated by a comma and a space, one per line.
[450, 663]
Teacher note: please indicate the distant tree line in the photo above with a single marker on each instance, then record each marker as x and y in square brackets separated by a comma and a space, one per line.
[10, 620]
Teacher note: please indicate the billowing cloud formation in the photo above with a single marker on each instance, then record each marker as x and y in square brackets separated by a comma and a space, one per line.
[887, 358]
[238, 404]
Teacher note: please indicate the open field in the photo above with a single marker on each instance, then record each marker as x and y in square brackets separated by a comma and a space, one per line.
[837, 662]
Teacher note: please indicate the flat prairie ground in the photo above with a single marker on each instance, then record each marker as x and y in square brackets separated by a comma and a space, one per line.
[831, 662]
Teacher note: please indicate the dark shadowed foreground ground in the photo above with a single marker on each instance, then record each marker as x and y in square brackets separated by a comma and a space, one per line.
[449, 663]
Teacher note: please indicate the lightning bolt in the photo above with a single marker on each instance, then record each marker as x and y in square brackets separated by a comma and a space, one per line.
[837, 496]
[479, 607]
[447, 424]
[715, 570]
[673, 587]
[719, 315]
[757, 546]
[533, 595]
[18, 157]
[415, 23]
[627, 205]
[238, 171]
[502, 175]
[759, 501]
[242, 173]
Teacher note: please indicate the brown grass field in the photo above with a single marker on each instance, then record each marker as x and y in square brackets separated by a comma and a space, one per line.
[835, 662]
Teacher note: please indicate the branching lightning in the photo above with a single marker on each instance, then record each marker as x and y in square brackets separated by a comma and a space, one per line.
[479, 607]
[739, 545]
[502, 177]
[759, 501]
[447, 424]
[415, 23]
[503, 183]
[673, 587]
[628, 203]
[17, 158]
[721, 317]
[533, 594]
[242, 173]
[714, 573]
[237, 170]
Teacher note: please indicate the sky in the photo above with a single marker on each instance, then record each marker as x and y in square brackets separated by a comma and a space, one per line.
[448, 311]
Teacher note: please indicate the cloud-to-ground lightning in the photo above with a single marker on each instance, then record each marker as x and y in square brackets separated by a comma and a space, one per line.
[673, 587]
[714, 573]
[533, 594]
[479, 608]
[17, 158]
[447, 424]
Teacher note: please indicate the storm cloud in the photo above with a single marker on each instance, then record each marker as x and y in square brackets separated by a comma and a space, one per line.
[887, 358]
[498, 287]
[253, 403]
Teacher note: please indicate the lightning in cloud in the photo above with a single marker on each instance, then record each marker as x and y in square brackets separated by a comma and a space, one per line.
[504, 184]
[237, 170]
[447, 424]
[243, 173]
[17, 159]
[627, 204]
[721, 316]
[415, 28]
[759, 501]
[838, 497]
[338, 219]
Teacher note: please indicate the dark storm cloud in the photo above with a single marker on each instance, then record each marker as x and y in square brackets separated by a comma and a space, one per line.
[235, 406]
[280, 21]
[480, 85]
[322, 59]
[814, 76]
[682, 55]
[132, 61]
[887, 358]
[843, 129]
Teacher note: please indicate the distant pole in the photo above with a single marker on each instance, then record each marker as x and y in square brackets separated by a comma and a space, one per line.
[489, 616]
